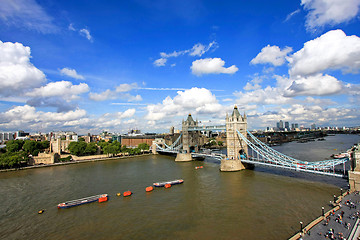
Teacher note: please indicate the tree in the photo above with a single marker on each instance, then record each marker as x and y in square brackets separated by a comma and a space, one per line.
[14, 145]
[113, 148]
[44, 144]
[102, 144]
[90, 149]
[124, 148]
[220, 143]
[143, 146]
[117, 146]
[77, 148]
[32, 147]
[13, 159]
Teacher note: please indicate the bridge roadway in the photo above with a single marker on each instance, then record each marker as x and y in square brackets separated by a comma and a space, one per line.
[208, 128]
[298, 169]
[195, 155]
[255, 161]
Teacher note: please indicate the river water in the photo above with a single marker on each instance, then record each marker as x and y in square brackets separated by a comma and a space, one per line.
[262, 203]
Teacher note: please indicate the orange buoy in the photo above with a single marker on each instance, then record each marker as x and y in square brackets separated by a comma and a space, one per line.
[149, 189]
[127, 193]
[167, 185]
[199, 167]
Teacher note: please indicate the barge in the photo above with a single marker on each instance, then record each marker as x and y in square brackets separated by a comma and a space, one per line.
[81, 201]
[174, 182]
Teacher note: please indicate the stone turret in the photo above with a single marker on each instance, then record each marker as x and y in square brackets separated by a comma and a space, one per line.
[190, 139]
[235, 145]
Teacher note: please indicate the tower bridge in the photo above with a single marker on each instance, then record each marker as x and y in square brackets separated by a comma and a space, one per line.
[244, 150]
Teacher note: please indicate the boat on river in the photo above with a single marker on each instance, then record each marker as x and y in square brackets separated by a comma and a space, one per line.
[174, 182]
[77, 202]
[340, 155]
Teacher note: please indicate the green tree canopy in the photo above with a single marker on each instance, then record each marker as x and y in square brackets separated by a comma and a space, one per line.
[32, 147]
[90, 149]
[143, 146]
[14, 145]
[77, 148]
[13, 159]
[102, 144]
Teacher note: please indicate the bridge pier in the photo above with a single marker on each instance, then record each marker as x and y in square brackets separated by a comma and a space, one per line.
[231, 165]
[153, 148]
[183, 157]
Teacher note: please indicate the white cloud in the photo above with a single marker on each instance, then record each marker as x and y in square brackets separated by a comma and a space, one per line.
[332, 50]
[109, 120]
[254, 83]
[63, 89]
[71, 73]
[272, 55]
[197, 50]
[136, 98]
[194, 100]
[130, 121]
[28, 14]
[120, 91]
[86, 33]
[266, 96]
[107, 94]
[250, 86]
[125, 87]
[127, 114]
[303, 114]
[25, 116]
[211, 66]
[329, 12]
[17, 74]
[71, 27]
[314, 85]
[290, 15]
[160, 62]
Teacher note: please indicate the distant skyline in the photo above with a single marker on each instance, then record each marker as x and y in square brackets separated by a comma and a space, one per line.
[89, 66]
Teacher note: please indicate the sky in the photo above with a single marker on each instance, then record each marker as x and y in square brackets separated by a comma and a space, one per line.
[92, 66]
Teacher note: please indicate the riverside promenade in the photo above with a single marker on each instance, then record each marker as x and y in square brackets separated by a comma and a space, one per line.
[341, 222]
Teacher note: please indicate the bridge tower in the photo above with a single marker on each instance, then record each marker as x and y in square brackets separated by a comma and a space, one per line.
[235, 145]
[354, 173]
[190, 140]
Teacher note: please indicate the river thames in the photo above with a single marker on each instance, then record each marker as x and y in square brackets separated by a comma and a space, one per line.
[262, 203]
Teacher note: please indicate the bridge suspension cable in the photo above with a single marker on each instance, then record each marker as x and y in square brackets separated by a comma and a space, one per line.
[271, 157]
[175, 147]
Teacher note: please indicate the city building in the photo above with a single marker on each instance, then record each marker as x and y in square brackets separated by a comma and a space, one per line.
[6, 136]
[287, 126]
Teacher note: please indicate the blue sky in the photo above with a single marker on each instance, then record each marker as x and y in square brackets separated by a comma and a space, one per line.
[90, 66]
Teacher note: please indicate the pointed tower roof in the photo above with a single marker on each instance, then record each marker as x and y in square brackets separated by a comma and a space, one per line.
[235, 112]
[190, 119]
